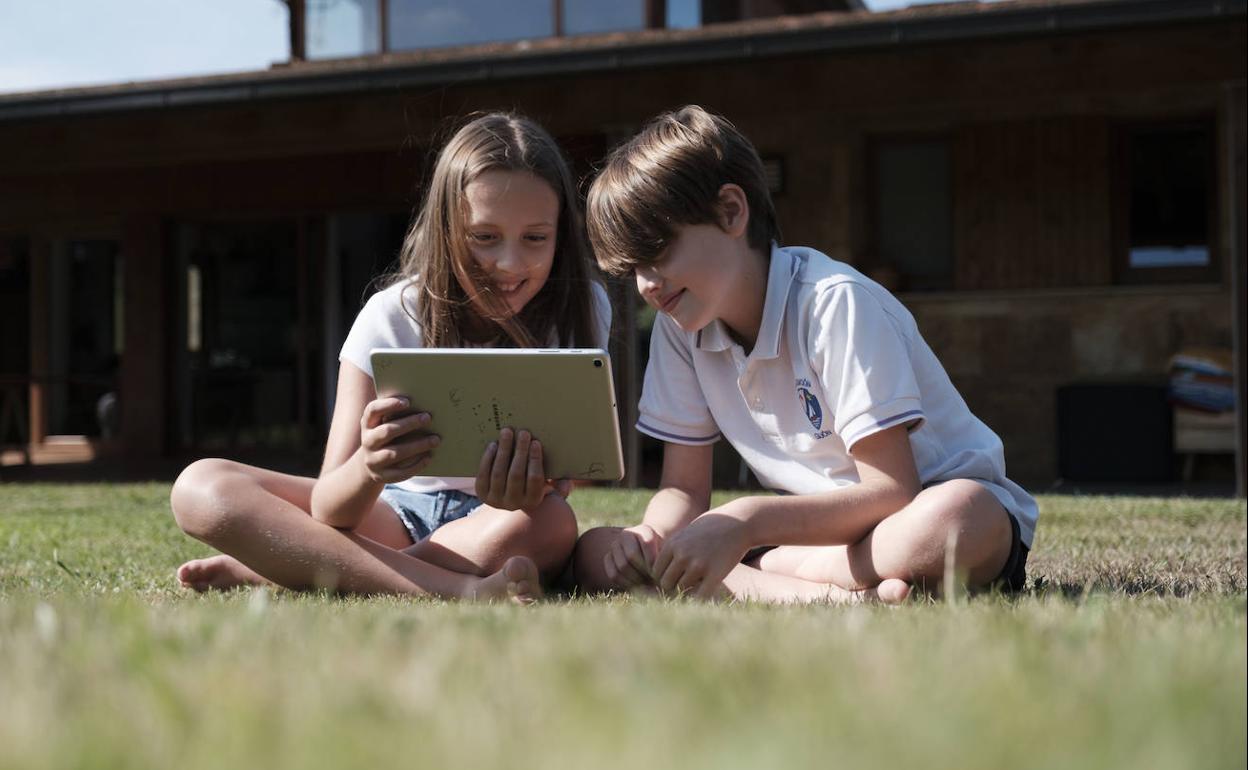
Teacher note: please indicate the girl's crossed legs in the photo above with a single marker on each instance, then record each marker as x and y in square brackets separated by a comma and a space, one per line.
[259, 519]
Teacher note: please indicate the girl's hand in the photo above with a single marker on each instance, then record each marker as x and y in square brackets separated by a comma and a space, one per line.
[390, 452]
[512, 476]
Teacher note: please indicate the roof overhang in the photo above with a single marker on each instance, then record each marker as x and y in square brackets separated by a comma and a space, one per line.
[824, 32]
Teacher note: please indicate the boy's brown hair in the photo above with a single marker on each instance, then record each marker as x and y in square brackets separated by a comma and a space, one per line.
[670, 175]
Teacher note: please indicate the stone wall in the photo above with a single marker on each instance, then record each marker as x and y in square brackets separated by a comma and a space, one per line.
[1008, 352]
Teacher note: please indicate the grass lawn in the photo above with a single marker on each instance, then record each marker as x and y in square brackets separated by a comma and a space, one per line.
[1129, 652]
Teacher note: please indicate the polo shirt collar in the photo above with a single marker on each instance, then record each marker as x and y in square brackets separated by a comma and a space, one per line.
[715, 337]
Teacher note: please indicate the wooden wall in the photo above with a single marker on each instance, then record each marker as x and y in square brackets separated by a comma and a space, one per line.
[1032, 204]
[1030, 121]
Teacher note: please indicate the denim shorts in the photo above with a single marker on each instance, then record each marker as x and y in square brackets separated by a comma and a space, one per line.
[423, 512]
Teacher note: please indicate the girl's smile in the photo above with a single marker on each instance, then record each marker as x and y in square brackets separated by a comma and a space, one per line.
[511, 226]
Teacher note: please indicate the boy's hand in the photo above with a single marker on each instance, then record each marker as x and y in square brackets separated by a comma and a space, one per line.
[696, 559]
[390, 452]
[628, 563]
[512, 476]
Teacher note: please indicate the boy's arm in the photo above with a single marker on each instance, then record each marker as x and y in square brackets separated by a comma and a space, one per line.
[703, 553]
[684, 493]
[684, 488]
[888, 481]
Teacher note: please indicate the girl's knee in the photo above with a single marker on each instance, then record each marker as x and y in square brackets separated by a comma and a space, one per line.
[557, 522]
[198, 497]
[587, 569]
[547, 535]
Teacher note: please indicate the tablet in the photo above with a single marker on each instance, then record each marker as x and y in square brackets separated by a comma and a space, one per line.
[564, 397]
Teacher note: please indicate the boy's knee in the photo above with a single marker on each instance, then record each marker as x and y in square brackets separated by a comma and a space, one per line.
[197, 498]
[963, 508]
[968, 518]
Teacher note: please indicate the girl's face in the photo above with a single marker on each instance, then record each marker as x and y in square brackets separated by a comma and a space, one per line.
[511, 223]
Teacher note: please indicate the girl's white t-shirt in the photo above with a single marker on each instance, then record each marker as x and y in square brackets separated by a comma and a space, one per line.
[383, 323]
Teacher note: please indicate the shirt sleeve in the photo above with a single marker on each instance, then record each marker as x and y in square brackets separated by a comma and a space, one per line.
[381, 323]
[862, 355]
[672, 406]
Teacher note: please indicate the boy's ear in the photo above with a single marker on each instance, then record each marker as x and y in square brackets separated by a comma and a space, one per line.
[734, 210]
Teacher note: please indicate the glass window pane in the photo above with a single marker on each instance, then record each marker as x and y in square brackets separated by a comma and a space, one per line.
[435, 23]
[914, 213]
[684, 14]
[586, 16]
[1170, 179]
[338, 28]
[15, 341]
[82, 353]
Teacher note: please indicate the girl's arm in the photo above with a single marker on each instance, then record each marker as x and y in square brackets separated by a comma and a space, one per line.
[367, 448]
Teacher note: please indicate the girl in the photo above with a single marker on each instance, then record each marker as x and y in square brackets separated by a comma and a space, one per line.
[496, 256]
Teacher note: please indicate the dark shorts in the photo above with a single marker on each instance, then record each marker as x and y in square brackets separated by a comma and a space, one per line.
[1013, 577]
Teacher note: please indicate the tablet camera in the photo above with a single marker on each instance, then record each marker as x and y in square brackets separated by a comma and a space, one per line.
[597, 363]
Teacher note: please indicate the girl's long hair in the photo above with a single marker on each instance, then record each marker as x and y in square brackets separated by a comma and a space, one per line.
[436, 260]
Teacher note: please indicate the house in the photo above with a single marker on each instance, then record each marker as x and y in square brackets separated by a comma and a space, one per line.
[1054, 188]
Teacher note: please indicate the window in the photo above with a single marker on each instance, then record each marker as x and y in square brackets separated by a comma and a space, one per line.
[582, 17]
[912, 240]
[433, 23]
[683, 14]
[15, 342]
[338, 28]
[341, 28]
[85, 337]
[1165, 203]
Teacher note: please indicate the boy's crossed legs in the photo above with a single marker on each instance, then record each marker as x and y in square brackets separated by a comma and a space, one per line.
[259, 519]
[907, 548]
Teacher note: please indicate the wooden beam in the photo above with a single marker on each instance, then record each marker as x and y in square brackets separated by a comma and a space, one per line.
[298, 29]
[383, 11]
[1234, 107]
[142, 380]
[40, 272]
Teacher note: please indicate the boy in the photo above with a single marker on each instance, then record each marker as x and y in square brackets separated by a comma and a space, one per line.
[815, 374]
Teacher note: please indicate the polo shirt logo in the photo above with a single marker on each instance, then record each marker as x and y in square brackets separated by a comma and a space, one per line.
[809, 403]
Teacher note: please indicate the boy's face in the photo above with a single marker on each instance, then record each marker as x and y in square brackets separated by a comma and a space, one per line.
[690, 282]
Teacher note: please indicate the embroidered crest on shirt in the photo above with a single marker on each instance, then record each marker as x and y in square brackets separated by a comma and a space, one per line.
[809, 403]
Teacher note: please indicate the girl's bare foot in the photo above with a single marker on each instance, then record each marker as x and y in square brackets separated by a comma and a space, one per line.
[517, 581]
[217, 573]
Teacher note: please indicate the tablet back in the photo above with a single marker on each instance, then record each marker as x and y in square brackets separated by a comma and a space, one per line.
[564, 397]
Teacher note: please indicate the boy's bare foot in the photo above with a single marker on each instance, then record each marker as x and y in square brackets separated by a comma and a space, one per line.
[893, 591]
[217, 573]
[889, 591]
[518, 581]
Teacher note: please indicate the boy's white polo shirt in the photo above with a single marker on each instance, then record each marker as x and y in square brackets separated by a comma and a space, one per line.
[837, 359]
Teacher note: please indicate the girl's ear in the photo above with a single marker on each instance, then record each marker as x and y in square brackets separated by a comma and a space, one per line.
[734, 210]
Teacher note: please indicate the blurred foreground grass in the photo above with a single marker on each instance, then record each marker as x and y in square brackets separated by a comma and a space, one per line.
[1129, 651]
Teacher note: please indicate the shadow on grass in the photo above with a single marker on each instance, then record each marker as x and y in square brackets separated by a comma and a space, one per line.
[1075, 591]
